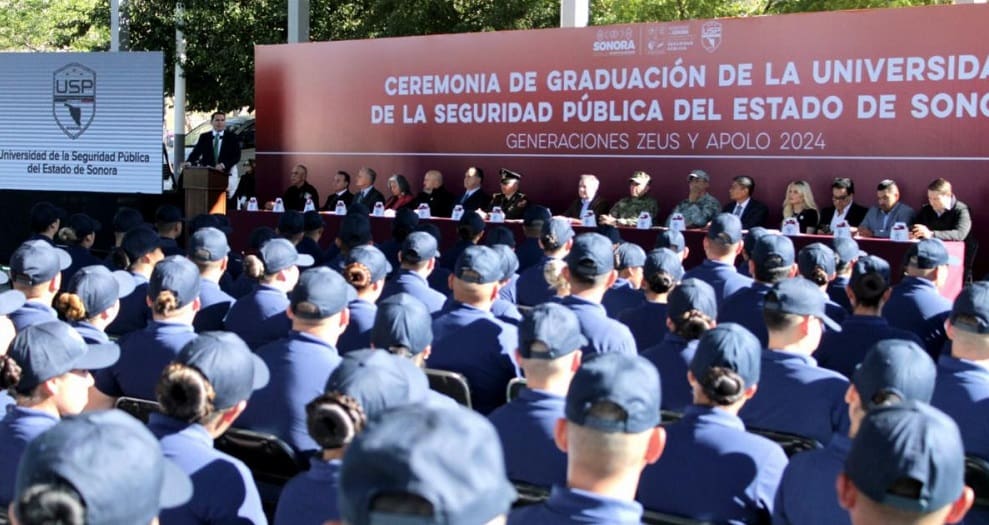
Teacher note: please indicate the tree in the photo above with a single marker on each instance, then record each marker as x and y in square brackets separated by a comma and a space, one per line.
[43, 25]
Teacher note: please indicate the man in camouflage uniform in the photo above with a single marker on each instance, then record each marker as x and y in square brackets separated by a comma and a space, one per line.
[626, 211]
[511, 201]
[700, 206]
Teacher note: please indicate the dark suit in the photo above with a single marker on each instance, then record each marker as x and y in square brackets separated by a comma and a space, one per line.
[373, 196]
[202, 154]
[440, 202]
[331, 201]
[755, 213]
[856, 213]
[598, 205]
[477, 201]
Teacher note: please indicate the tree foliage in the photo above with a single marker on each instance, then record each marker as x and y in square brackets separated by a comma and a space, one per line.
[47, 25]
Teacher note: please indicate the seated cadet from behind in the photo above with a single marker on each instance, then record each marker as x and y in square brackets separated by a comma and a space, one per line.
[259, 317]
[45, 218]
[772, 261]
[627, 292]
[365, 270]
[168, 224]
[915, 304]
[848, 252]
[817, 263]
[77, 237]
[301, 362]
[906, 465]
[244, 284]
[36, 271]
[611, 432]
[748, 244]
[312, 230]
[692, 312]
[209, 251]
[588, 200]
[893, 371]
[549, 354]
[124, 220]
[661, 273]
[439, 280]
[291, 225]
[722, 244]
[511, 201]
[138, 253]
[467, 338]
[91, 301]
[501, 235]
[405, 222]
[173, 293]
[795, 395]
[399, 470]
[700, 207]
[470, 229]
[881, 218]
[202, 393]
[555, 240]
[355, 230]
[590, 271]
[626, 211]
[673, 240]
[418, 258]
[502, 308]
[529, 251]
[710, 442]
[868, 291]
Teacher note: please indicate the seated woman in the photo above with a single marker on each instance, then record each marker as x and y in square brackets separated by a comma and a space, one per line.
[92, 301]
[799, 203]
[77, 236]
[365, 270]
[662, 271]
[401, 193]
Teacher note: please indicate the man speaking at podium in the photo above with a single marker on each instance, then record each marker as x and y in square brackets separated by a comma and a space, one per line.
[220, 150]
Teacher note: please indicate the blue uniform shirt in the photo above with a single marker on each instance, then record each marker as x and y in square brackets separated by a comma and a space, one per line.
[842, 351]
[32, 313]
[525, 427]
[439, 280]
[509, 291]
[722, 277]
[797, 396]
[916, 305]
[713, 470]
[90, 333]
[745, 308]
[532, 288]
[81, 257]
[415, 285]
[299, 366]
[836, 291]
[18, 427]
[310, 497]
[567, 506]
[647, 322]
[310, 247]
[259, 317]
[449, 257]
[807, 493]
[358, 332]
[143, 356]
[672, 358]
[223, 487]
[5, 401]
[214, 305]
[603, 333]
[134, 312]
[620, 297]
[170, 247]
[962, 391]
[529, 253]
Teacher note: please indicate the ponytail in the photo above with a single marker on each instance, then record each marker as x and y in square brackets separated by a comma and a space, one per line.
[723, 386]
[692, 324]
[119, 258]
[10, 374]
[334, 420]
[71, 307]
[358, 275]
[56, 503]
[165, 303]
[185, 394]
[253, 267]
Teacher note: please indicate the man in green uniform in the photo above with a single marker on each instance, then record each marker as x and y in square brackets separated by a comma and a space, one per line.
[626, 211]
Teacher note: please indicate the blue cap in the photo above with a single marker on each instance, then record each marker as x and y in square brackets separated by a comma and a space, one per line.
[847, 249]
[895, 366]
[671, 239]
[798, 296]
[970, 311]
[228, 364]
[167, 213]
[663, 260]
[53, 348]
[378, 380]
[548, 331]
[408, 451]
[312, 221]
[320, 293]
[816, 255]
[509, 261]
[772, 251]
[140, 241]
[279, 254]
[98, 288]
[83, 225]
[908, 441]
[291, 222]
[629, 255]
[479, 265]
[35, 262]
[208, 245]
[43, 214]
[113, 461]
[177, 275]
[555, 233]
[355, 230]
[11, 301]
[730, 346]
[725, 229]
[928, 254]
[472, 221]
[402, 321]
[372, 259]
[692, 294]
[260, 236]
[609, 231]
[126, 219]
[499, 235]
[748, 243]
[536, 216]
[419, 246]
[870, 265]
[629, 381]
[591, 255]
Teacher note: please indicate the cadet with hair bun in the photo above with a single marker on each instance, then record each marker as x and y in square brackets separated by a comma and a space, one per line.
[91, 300]
[365, 268]
[662, 271]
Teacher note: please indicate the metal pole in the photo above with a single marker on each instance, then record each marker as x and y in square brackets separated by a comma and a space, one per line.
[178, 151]
[298, 21]
[114, 25]
[574, 13]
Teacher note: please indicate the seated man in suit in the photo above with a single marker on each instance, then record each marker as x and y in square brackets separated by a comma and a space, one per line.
[946, 218]
[435, 195]
[474, 197]
[845, 208]
[341, 192]
[751, 212]
[366, 193]
[881, 218]
[588, 199]
[299, 190]
[218, 149]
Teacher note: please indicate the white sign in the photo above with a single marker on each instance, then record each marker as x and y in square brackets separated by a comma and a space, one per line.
[644, 221]
[677, 223]
[791, 227]
[899, 232]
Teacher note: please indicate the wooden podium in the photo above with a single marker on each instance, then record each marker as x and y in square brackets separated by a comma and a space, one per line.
[205, 190]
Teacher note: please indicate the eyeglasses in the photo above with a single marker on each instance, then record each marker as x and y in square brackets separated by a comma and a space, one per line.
[840, 199]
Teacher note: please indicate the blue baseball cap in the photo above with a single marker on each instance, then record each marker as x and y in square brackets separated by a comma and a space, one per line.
[479, 265]
[847, 249]
[472, 221]
[772, 251]
[798, 296]
[279, 254]
[113, 461]
[126, 219]
[43, 214]
[555, 233]
[260, 236]
[355, 230]
[928, 254]
[98, 288]
[291, 222]
[499, 235]
[549, 331]
[663, 260]
[35, 262]
[320, 293]
[870, 274]
[896, 366]
[208, 245]
[83, 225]
[228, 364]
[671, 239]
[629, 255]
[408, 451]
[748, 243]
[692, 294]
[419, 246]
[11, 301]
[372, 259]
[725, 229]
[970, 311]
[730, 346]
[816, 255]
[536, 216]
[177, 275]
[50, 349]
[591, 255]
[167, 213]
[402, 321]
[509, 261]
[140, 241]
[312, 221]
[378, 380]
[908, 441]
[629, 381]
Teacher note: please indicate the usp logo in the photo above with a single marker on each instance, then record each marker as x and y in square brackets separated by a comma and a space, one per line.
[74, 98]
[711, 36]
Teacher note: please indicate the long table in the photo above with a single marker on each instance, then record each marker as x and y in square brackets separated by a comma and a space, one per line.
[243, 222]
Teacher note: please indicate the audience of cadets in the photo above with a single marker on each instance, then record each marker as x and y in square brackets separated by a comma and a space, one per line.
[312, 231]
[799, 204]
[511, 201]
[772, 261]
[439, 279]
[906, 465]
[868, 291]
[77, 237]
[500, 235]
[209, 251]
[138, 253]
[291, 225]
[611, 432]
[418, 259]
[817, 263]
[587, 200]
[168, 224]
[301, 362]
[844, 208]
[660, 274]
[399, 193]
[749, 211]
[549, 354]
[710, 441]
[691, 313]
[45, 219]
[125, 219]
[502, 308]
[405, 222]
[470, 229]
[722, 244]
[881, 218]
[355, 230]
[91, 301]
[848, 252]
[556, 240]
[626, 293]
[340, 192]
[365, 269]
[474, 197]
[673, 240]
[626, 212]
[915, 303]
[945, 217]
[58, 483]
[748, 244]
[529, 251]
[365, 193]
[892, 371]
[202, 392]
[435, 195]
[244, 284]
[36, 271]
[700, 207]
[259, 317]
[47, 370]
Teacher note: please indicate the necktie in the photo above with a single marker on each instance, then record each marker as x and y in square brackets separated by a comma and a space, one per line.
[738, 210]
[216, 148]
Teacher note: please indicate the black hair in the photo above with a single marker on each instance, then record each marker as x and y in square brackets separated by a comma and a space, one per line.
[692, 324]
[54, 503]
[660, 282]
[119, 258]
[772, 276]
[10, 375]
[844, 183]
[869, 288]
[477, 171]
[402, 503]
[779, 321]
[723, 386]
[346, 176]
[185, 394]
[334, 420]
[817, 276]
[886, 184]
[747, 182]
